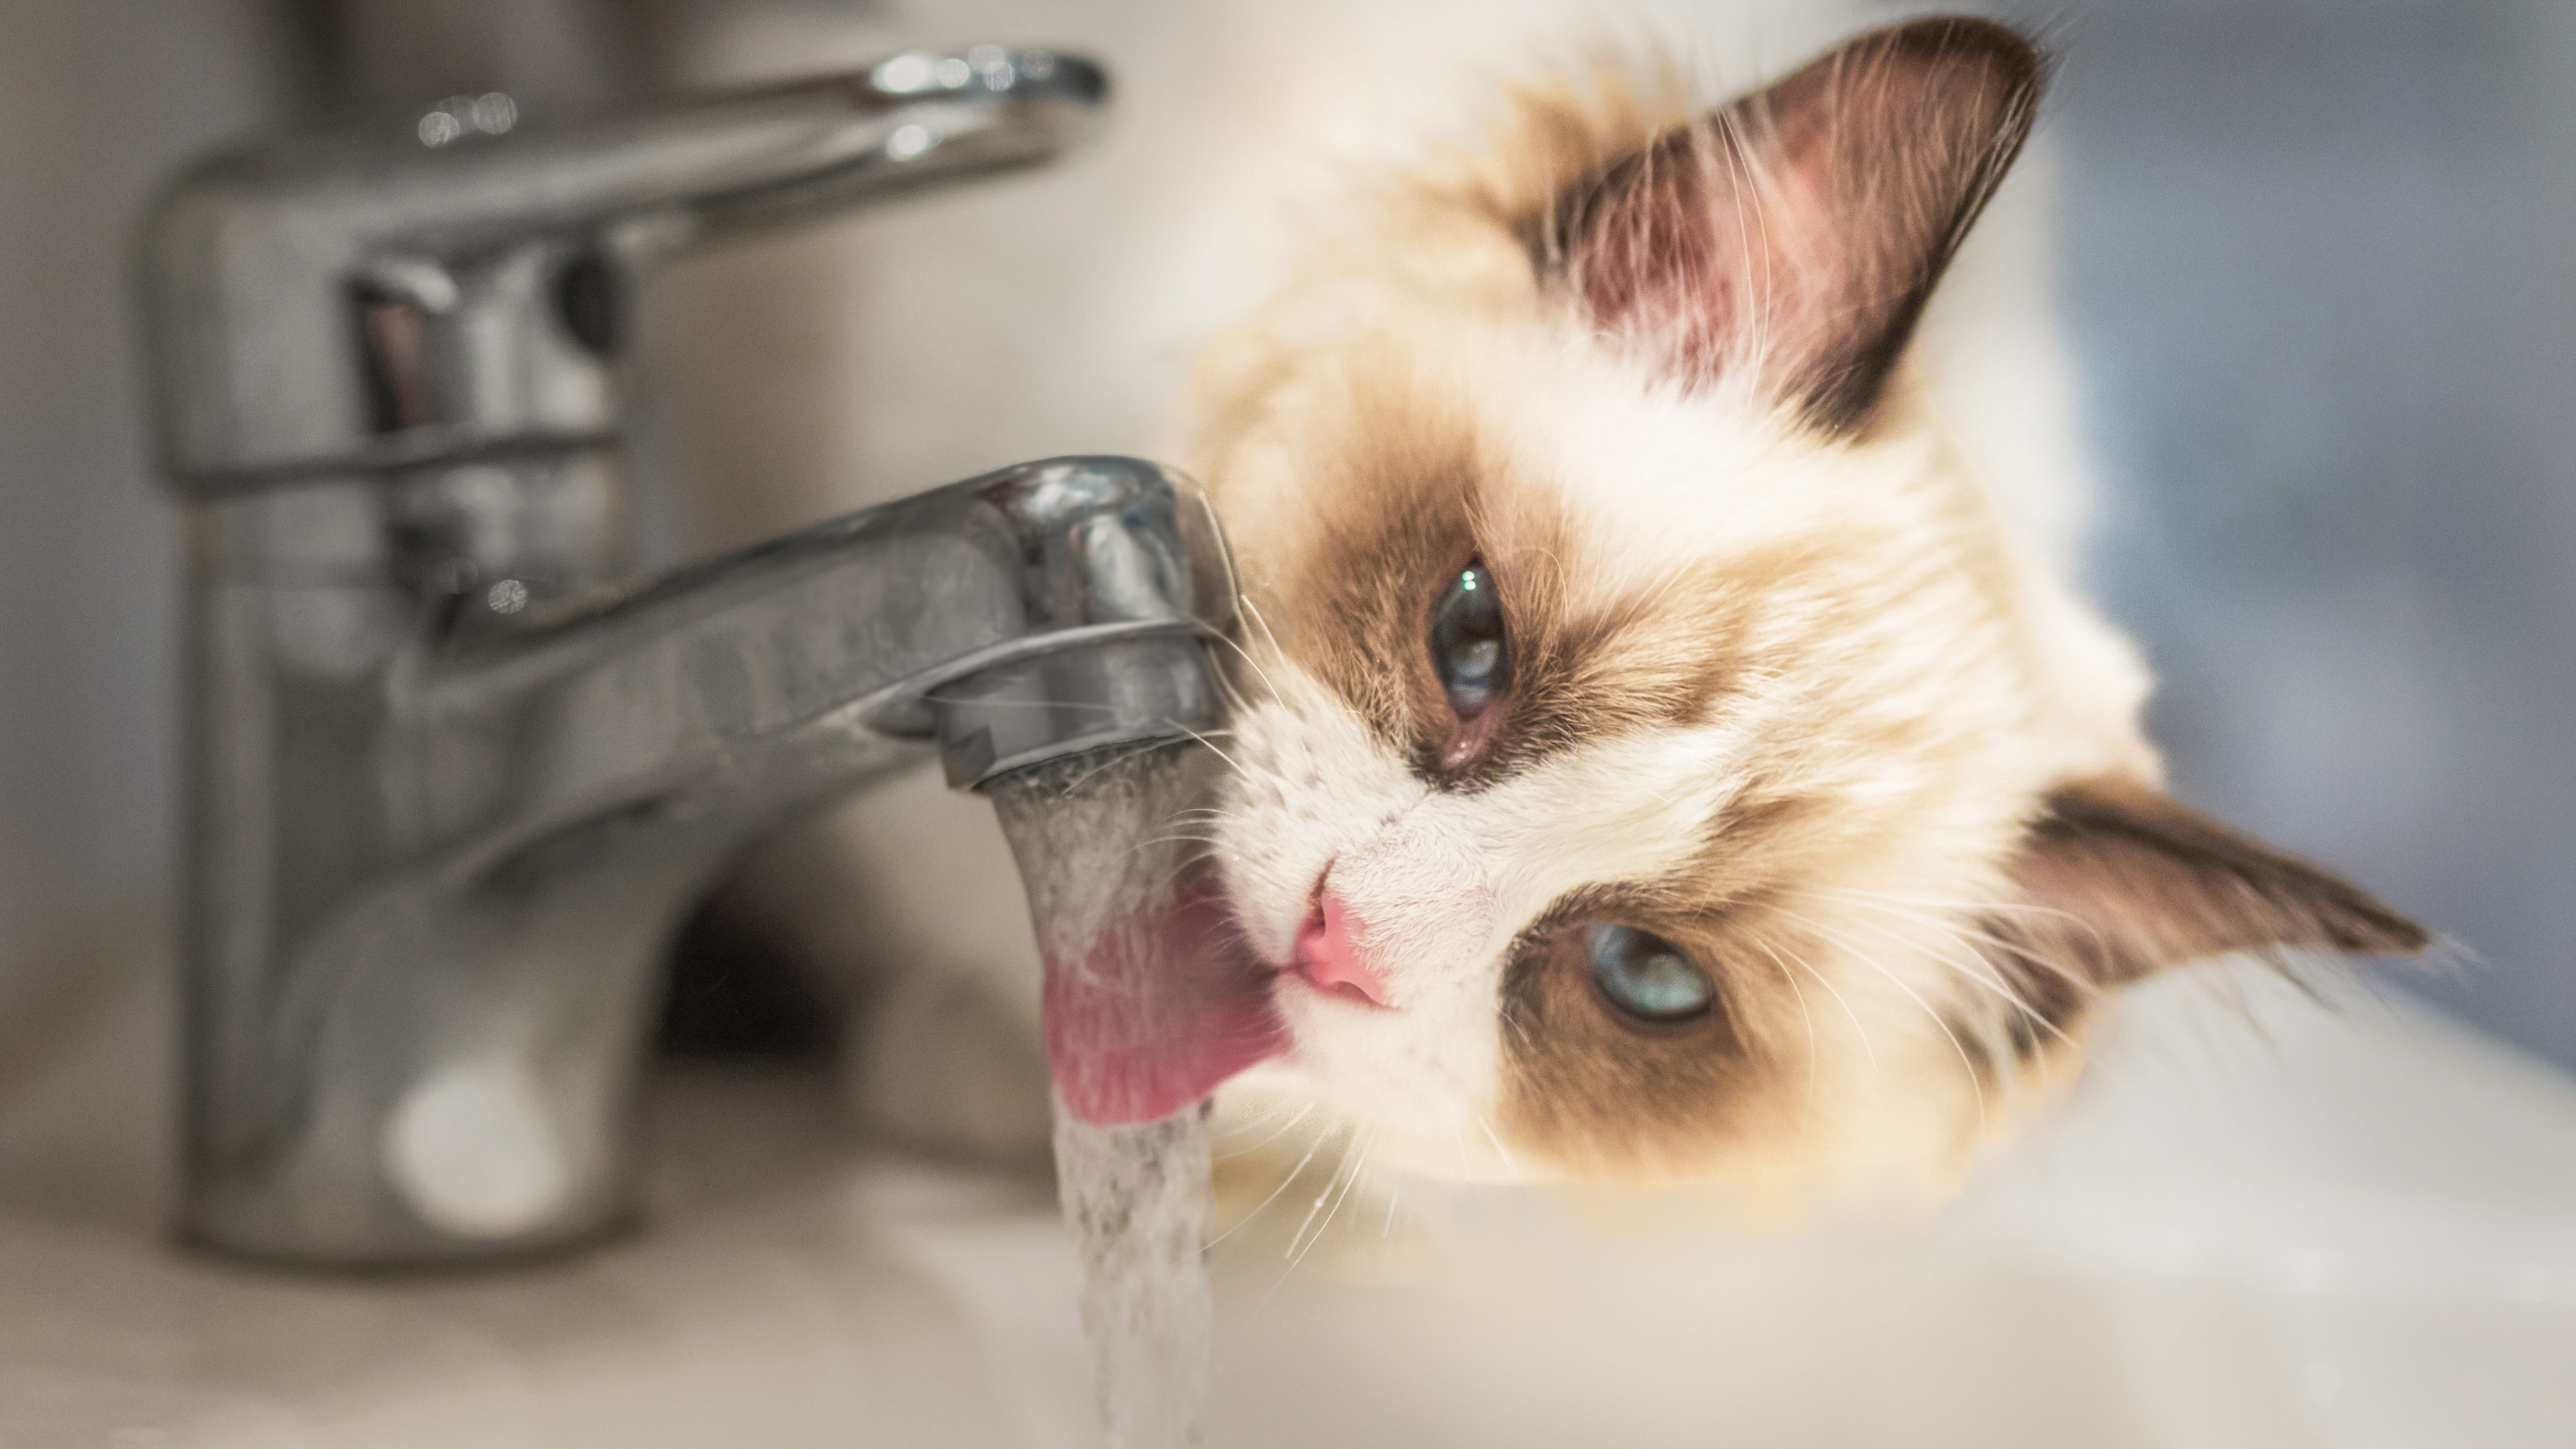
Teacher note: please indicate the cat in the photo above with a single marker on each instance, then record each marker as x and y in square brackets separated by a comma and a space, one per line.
[1661, 756]
[1660, 761]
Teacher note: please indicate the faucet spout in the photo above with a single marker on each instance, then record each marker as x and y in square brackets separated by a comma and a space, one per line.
[439, 849]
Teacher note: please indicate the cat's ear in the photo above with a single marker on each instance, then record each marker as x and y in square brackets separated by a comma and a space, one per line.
[2119, 880]
[1795, 234]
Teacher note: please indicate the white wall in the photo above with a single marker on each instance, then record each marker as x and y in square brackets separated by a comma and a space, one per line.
[2317, 259]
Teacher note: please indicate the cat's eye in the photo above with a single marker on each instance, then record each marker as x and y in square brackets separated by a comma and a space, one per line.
[1644, 975]
[1467, 650]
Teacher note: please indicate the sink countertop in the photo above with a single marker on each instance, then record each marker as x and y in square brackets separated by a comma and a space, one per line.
[773, 1301]
[2349, 1230]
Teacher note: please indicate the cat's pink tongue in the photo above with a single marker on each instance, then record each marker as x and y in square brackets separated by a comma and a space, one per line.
[1159, 1012]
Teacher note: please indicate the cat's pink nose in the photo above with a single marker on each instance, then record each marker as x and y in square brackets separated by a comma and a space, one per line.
[1328, 954]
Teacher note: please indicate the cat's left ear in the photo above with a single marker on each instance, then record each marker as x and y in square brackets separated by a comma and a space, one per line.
[2119, 880]
[1793, 236]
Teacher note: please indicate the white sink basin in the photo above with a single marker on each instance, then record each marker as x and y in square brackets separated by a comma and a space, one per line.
[2360, 1231]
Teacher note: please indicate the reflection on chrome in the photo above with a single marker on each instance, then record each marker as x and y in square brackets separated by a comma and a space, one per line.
[491, 114]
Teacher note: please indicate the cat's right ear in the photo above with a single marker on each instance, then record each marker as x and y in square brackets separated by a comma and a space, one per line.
[1793, 236]
[2118, 880]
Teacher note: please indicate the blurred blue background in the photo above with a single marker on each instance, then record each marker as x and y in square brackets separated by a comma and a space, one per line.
[2313, 264]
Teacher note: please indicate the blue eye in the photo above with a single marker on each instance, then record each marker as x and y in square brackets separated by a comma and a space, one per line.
[1467, 642]
[1645, 975]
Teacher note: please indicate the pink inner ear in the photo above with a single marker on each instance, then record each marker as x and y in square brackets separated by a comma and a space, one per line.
[1792, 237]
[1708, 255]
[1716, 251]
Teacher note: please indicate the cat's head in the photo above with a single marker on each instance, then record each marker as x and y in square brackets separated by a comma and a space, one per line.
[1659, 757]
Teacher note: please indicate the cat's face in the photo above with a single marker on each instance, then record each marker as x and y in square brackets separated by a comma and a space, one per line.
[1656, 758]
[1762, 697]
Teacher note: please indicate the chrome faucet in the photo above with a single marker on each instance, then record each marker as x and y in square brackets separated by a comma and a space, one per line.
[453, 774]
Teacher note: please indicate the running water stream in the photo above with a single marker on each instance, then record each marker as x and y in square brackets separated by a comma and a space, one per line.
[1151, 1001]
[1136, 1200]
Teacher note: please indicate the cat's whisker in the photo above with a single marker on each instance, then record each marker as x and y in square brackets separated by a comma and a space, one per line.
[1500, 1150]
[1253, 664]
[2082, 983]
[1976, 1083]
[1216, 530]
[1253, 612]
[1206, 738]
[1312, 1147]
[1294, 1254]
[1867, 1050]
[2004, 907]
[1968, 937]
[1206, 840]
[1350, 1185]
[1965, 936]
[1284, 1129]
[1807, 1112]
[2008, 1059]
[1350, 1144]
[1236, 702]
[1211, 747]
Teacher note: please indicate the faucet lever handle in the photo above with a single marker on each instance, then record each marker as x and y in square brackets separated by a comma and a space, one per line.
[766, 154]
[351, 302]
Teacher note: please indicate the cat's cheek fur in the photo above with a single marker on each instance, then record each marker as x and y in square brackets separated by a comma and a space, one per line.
[1309, 783]
[1314, 789]
[1442, 884]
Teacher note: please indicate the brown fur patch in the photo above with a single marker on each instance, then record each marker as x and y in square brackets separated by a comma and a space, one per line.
[1597, 1089]
[2125, 880]
[1405, 497]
